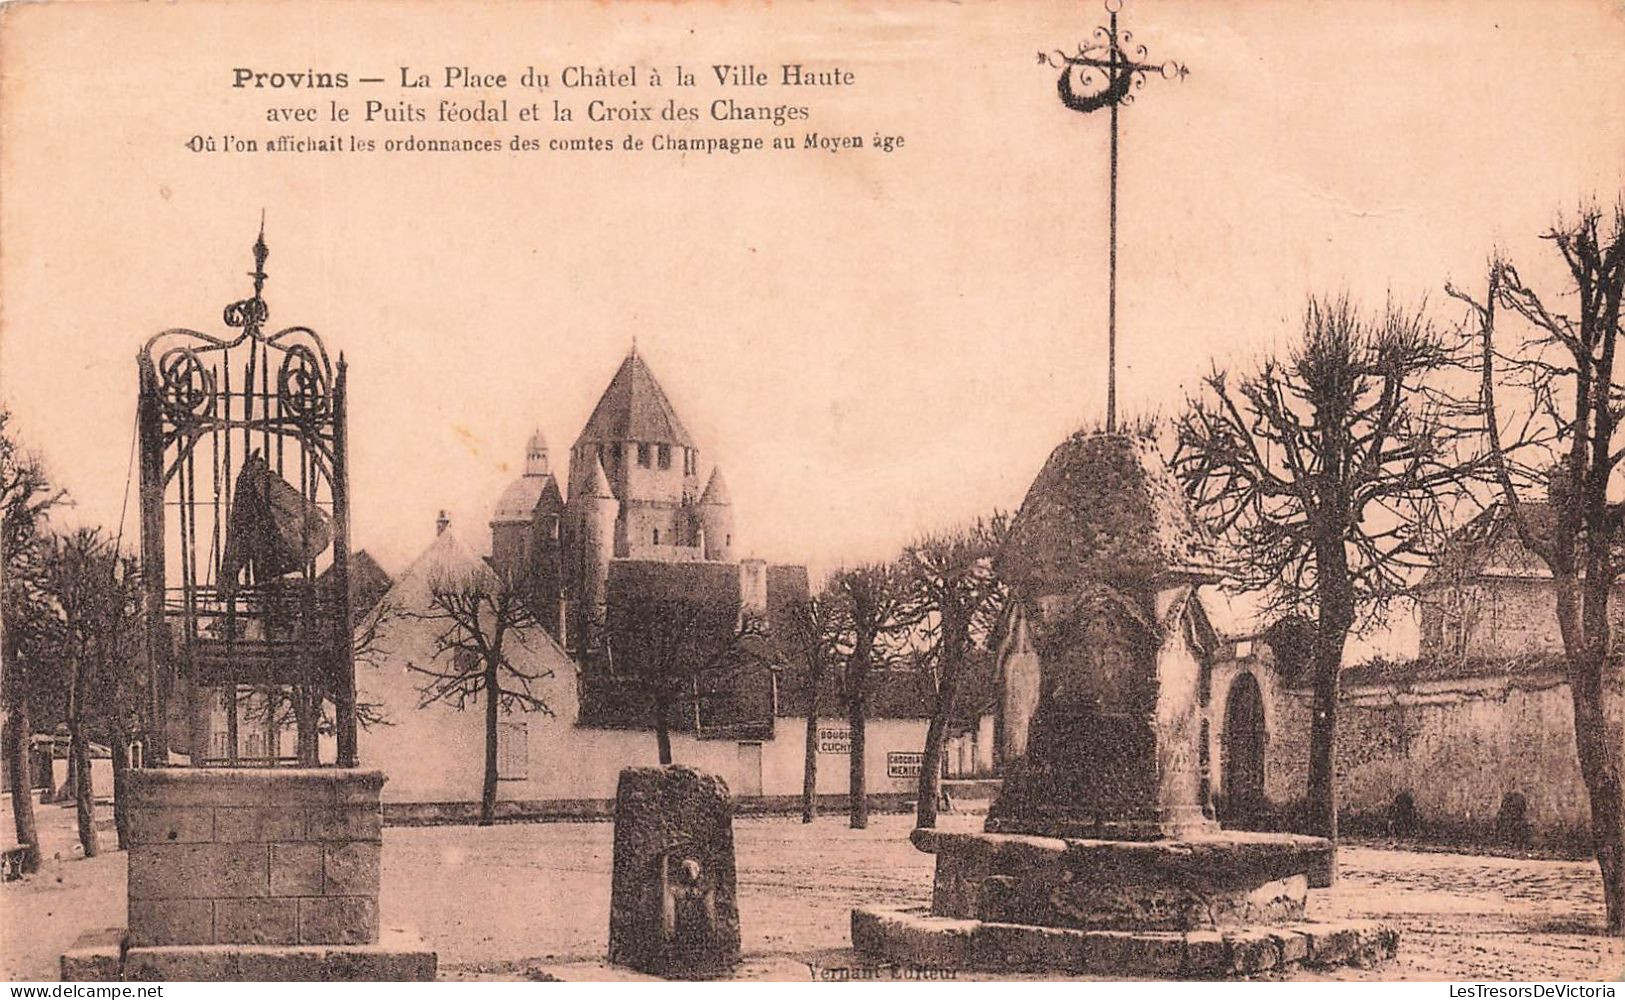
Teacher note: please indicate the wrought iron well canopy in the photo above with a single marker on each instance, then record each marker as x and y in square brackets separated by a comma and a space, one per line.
[245, 519]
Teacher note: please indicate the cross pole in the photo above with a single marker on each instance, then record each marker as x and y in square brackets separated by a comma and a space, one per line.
[1109, 75]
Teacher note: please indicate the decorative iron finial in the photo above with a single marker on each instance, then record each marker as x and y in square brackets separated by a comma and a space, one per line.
[250, 314]
[261, 251]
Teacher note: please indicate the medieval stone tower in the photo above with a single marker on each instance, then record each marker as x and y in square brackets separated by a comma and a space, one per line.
[526, 531]
[634, 493]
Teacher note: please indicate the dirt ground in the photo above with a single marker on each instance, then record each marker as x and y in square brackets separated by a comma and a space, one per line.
[532, 901]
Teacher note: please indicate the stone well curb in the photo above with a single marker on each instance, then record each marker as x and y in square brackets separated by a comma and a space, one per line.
[914, 937]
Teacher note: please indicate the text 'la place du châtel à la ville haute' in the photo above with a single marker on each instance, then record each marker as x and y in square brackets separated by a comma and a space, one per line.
[624, 80]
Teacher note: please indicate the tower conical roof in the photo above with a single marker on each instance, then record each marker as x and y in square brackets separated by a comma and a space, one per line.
[716, 489]
[634, 408]
[600, 482]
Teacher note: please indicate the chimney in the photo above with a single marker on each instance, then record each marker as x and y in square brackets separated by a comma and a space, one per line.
[441, 523]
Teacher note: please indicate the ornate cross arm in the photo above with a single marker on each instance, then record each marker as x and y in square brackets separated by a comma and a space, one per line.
[1104, 73]
[1107, 69]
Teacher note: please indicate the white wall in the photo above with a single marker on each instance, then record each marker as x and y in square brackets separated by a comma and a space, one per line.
[101, 777]
[437, 753]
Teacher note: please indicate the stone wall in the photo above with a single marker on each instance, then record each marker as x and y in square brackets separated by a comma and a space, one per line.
[1456, 750]
[251, 856]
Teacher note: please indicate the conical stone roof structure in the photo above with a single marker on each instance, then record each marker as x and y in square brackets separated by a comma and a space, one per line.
[634, 408]
[1104, 508]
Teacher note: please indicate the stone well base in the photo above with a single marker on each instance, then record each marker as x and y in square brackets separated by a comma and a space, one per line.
[254, 856]
[1229, 879]
[913, 937]
[101, 956]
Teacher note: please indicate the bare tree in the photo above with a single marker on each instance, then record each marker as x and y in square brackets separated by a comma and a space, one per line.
[1324, 472]
[1564, 367]
[119, 677]
[814, 630]
[957, 596]
[668, 643]
[480, 617]
[304, 707]
[876, 611]
[92, 635]
[26, 498]
[368, 647]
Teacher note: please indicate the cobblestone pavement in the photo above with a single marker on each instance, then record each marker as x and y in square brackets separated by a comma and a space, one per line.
[532, 901]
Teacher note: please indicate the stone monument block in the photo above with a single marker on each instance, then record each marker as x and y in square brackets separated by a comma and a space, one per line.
[673, 911]
[1101, 854]
[1103, 559]
[211, 862]
[253, 873]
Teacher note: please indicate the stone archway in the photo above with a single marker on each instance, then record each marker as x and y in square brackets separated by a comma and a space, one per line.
[1243, 805]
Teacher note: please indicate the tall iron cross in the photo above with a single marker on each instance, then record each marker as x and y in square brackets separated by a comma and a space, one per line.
[1104, 73]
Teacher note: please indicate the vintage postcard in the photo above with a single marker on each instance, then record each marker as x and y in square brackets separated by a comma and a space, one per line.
[877, 490]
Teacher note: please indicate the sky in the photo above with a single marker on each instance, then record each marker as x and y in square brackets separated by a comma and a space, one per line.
[870, 344]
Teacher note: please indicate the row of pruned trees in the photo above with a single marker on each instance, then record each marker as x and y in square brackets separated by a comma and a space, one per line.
[933, 608]
[70, 646]
[1335, 470]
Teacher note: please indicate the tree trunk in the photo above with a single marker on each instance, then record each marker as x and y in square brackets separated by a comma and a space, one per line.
[200, 703]
[80, 778]
[307, 710]
[1322, 790]
[859, 792]
[925, 811]
[1336, 600]
[809, 771]
[662, 727]
[1582, 614]
[1321, 801]
[936, 732]
[121, 774]
[84, 794]
[156, 753]
[20, 772]
[493, 696]
[233, 722]
[1600, 756]
[1600, 746]
[303, 726]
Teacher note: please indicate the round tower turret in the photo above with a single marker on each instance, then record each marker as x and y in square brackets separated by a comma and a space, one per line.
[598, 511]
[525, 521]
[716, 514]
[536, 462]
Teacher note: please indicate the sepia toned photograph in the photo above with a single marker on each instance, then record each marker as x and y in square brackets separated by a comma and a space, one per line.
[903, 492]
